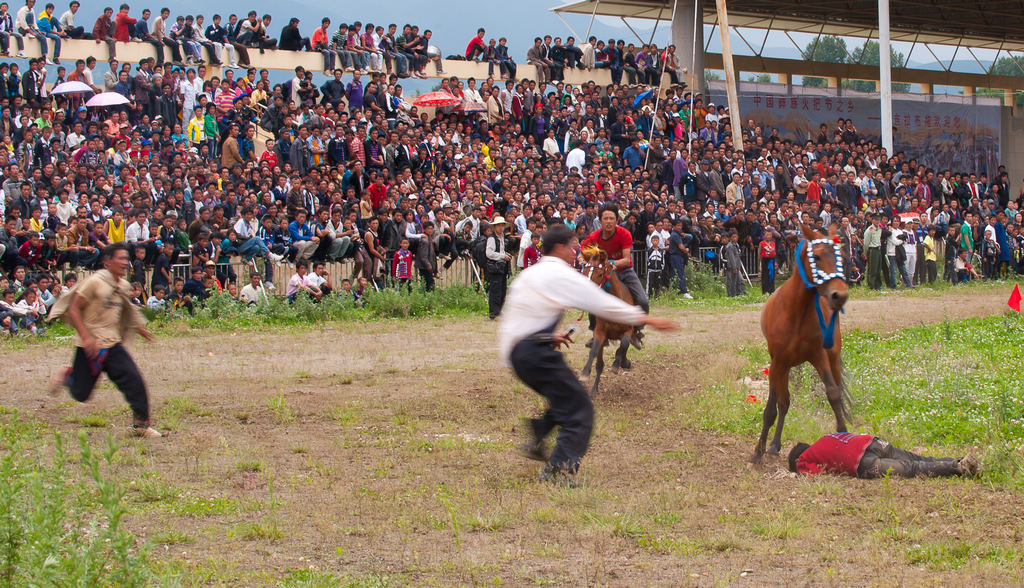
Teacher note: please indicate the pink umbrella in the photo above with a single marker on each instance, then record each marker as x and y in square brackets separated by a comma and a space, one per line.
[435, 99]
[107, 99]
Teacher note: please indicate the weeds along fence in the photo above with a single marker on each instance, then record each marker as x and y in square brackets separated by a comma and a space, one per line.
[462, 272]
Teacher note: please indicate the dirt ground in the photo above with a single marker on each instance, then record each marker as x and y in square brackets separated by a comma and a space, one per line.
[383, 454]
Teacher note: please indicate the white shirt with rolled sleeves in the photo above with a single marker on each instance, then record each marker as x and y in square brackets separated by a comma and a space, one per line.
[543, 292]
[495, 247]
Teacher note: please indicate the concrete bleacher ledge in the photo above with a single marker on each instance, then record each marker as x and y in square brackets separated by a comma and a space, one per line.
[276, 59]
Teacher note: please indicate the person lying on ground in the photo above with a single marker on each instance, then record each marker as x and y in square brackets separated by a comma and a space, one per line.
[867, 456]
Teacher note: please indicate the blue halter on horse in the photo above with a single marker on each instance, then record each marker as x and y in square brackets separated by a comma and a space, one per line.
[819, 277]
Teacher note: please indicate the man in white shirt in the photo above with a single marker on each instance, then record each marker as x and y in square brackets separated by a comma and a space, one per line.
[528, 344]
[576, 159]
[550, 145]
[253, 292]
[896, 238]
[318, 278]
[67, 21]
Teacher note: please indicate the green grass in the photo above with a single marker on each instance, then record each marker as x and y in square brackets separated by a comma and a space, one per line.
[61, 513]
[347, 415]
[955, 385]
[250, 466]
[944, 389]
[311, 578]
[171, 537]
[221, 312]
[258, 531]
[89, 420]
[192, 505]
[945, 554]
[278, 405]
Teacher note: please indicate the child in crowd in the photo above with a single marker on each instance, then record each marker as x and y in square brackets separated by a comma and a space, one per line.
[734, 285]
[347, 291]
[952, 235]
[767, 251]
[426, 257]
[138, 294]
[178, 297]
[931, 246]
[156, 301]
[33, 311]
[964, 271]
[402, 266]
[655, 265]
[532, 254]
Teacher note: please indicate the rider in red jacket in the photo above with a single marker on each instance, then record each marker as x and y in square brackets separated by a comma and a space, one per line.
[867, 456]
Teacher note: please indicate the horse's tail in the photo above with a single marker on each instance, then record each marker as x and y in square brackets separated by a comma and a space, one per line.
[844, 392]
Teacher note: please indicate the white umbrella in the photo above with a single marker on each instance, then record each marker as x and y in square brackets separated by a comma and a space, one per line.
[71, 88]
[107, 99]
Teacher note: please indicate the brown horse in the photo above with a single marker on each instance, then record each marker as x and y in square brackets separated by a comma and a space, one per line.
[801, 323]
[601, 272]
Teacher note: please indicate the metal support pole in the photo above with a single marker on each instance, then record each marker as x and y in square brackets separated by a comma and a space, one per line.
[885, 75]
[657, 96]
[567, 25]
[730, 76]
[593, 15]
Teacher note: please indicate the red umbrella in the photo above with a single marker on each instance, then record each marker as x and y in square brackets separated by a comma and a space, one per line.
[435, 99]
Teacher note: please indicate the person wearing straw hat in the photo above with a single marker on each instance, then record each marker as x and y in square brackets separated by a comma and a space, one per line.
[497, 267]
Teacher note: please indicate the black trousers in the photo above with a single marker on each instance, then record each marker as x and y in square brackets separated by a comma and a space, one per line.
[175, 49]
[122, 371]
[881, 458]
[543, 369]
[497, 286]
[767, 275]
[931, 271]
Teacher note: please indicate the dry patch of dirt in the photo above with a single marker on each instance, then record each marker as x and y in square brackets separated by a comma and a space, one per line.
[389, 450]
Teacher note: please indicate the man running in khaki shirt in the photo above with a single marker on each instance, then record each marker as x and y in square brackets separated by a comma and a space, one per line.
[100, 310]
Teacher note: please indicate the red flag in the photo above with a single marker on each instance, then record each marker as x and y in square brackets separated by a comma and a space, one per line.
[1014, 301]
[765, 371]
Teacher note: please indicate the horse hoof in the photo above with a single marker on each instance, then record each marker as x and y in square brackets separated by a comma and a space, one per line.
[773, 451]
[756, 459]
[626, 364]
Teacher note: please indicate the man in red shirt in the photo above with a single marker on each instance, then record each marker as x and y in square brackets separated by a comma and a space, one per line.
[617, 242]
[476, 46]
[378, 192]
[123, 25]
[814, 188]
[867, 456]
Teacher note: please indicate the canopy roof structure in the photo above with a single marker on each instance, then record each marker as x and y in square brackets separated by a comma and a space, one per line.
[978, 24]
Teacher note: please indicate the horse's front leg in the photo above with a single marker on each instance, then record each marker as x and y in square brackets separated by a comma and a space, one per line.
[778, 396]
[595, 348]
[833, 359]
[621, 361]
[830, 375]
[599, 344]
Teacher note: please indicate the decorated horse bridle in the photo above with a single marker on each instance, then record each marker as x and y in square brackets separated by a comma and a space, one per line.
[819, 277]
[607, 282]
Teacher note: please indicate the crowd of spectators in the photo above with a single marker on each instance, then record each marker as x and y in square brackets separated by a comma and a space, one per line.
[351, 170]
